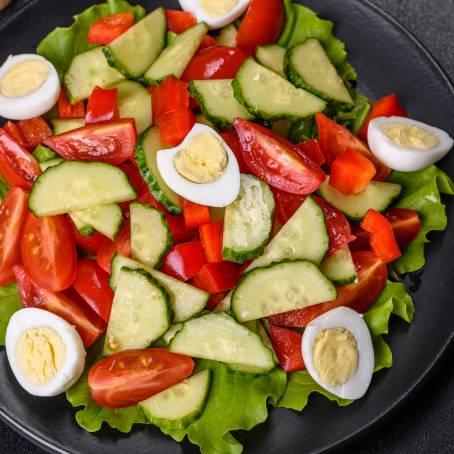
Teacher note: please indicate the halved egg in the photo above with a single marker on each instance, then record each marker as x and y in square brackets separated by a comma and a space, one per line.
[215, 13]
[29, 87]
[202, 169]
[45, 352]
[338, 353]
[407, 145]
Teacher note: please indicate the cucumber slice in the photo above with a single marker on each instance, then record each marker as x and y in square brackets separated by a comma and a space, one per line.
[174, 59]
[227, 36]
[215, 98]
[50, 163]
[340, 268]
[224, 305]
[133, 52]
[43, 154]
[171, 333]
[282, 128]
[248, 221]
[105, 219]
[308, 67]
[88, 70]
[74, 186]
[146, 151]
[186, 300]
[62, 125]
[266, 94]
[304, 236]
[272, 57]
[204, 120]
[179, 405]
[141, 312]
[220, 338]
[84, 229]
[280, 287]
[134, 101]
[150, 234]
[377, 196]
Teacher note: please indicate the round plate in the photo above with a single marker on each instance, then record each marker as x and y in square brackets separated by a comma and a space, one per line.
[388, 59]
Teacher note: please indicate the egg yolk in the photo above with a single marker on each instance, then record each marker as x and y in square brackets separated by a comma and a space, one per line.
[217, 8]
[335, 355]
[407, 136]
[203, 160]
[40, 354]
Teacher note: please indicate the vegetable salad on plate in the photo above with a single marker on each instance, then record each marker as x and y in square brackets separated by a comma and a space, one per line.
[202, 219]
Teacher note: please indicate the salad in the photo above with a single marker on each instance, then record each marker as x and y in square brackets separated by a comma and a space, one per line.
[202, 219]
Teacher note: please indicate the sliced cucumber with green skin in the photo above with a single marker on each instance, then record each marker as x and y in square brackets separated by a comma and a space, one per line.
[141, 312]
[133, 52]
[4, 189]
[215, 98]
[304, 236]
[186, 300]
[84, 229]
[339, 268]
[224, 305]
[151, 237]
[174, 59]
[88, 70]
[50, 163]
[220, 338]
[227, 36]
[264, 93]
[146, 151]
[272, 57]
[280, 287]
[248, 221]
[62, 125]
[134, 101]
[179, 405]
[170, 38]
[171, 333]
[377, 196]
[307, 66]
[74, 186]
[289, 24]
[105, 219]
[43, 154]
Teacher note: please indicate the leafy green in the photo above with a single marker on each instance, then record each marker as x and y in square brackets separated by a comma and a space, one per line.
[3, 189]
[9, 303]
[62, 44]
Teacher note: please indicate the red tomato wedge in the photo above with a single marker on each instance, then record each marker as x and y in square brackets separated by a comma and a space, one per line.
[286, 204]
[112, 142]
[406, 225]
[231, 139]
[128, 377]
[312, 149]
[217, 277]
[184, 260]
[179, 21]
[287, 346]
[276, 163]
[106, 29]
[90, 244]
[68, 110]
[109, 248]
[35, 131]
[12, 129]
[170, 95]
[13, 211]
[49, 252]
[102, 106]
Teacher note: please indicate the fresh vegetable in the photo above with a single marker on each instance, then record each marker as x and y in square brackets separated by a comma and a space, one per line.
[287, 345]
[217, 277]
[102, 106]
[169, 133]
[227, 36]
[230, 137]
[170, 95]
[68, 110]
[108, 248]
[184, 260]
[14, 132]
[62, 125]
[312, 149]
[406, 225]
[179, 21]
[43, 154]
[339, 267]
[90, 244]
[108, 28]
[195, 215]
[211, 235]
[272, 57]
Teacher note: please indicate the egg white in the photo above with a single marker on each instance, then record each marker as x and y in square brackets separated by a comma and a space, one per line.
[36, 103]
[406, 159]
[342, 317]
[74, 363]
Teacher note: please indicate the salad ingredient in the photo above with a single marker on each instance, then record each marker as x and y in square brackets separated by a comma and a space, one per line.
[29, 86]
[286, 205]
[171, 94]
[51, 163]
[184, 260]
[217, 277]
[13, 130]
[90, 244]
[102, 105]
[211, 235]
[227, 36]
[129, 377]
[287, 345]
[272, 57]
[62, 125]
[254, 83]
[248, 221]
[171, 135]
[338, 353]
[108, 248]
[43, 154]
[179, 21]
[407, 145]
[66, 110]
[73, 186]
[108, 28]
[231, 139]
[34, 130]
[243, 348]
[195, 215]
[406, 225]
[339, 268]
[45, 352]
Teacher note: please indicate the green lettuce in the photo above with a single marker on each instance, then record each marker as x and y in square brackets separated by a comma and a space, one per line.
[3, 189]
[62, 44]
[9, 303]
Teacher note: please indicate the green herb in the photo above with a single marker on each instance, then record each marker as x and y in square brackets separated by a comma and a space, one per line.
[9, 303]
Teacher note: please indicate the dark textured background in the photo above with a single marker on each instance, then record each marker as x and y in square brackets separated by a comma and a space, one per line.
[426, 423]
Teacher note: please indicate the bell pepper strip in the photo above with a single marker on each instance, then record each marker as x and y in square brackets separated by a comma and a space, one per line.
[231, 139]
[286, 204]
[90, 244]
[214, 300]
[195, 215]
[387, 106]
[15, 133]
[106, 29]
[17, 166]
[312, 149]
[406, 225]
[184, 260]
[178, 228]
[287, 346]
[102, 106]
[351, 173]
[179, 21]
[382, 240]
[34, 131]
[68, 110]
[170, 95]
[217, 277]
[112, 142]
[274, 162]
[109, 248]
[211, 235]
[261, 25]
[174, 126]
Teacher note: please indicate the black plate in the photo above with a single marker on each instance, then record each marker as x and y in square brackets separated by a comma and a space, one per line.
[388, 59]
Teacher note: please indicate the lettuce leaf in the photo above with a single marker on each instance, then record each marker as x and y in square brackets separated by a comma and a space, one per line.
[62, 44]
[3, 189]
[9, 303]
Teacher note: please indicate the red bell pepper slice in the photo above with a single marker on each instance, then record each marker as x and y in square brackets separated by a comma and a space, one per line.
[217, 277]
[112, 142]
[231, 139]
[406, 225]
[382, 240]
[274, 162]
[109, 248]
[351, 173]
[106, 29]
[214, 300]
[287, 346]
[179, 21]
[312, 149]
[175, 126]
[102, 106]
[184, 260]
[35, 131]
[211, 236]
[195, 215]
[68, 110]
[15, 133]
[169, 95]
[178, 228]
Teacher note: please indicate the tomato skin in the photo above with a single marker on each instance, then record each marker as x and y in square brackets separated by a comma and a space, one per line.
[406, 225]
[109, 248]
[48, 251]
[102, 106]
[231, 139]
[312, 149]
[126, 378]
[13, 211]
[287, 345]
[286, 204]
[90, 244]
[15, 133]
[106, 29]
[184, 260]
[35, 131]
[171, 94]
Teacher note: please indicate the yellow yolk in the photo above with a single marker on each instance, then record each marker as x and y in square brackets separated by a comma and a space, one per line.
[217, 8]
[406, 136]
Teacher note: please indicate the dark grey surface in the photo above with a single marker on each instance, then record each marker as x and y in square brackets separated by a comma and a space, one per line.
[427, 423]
